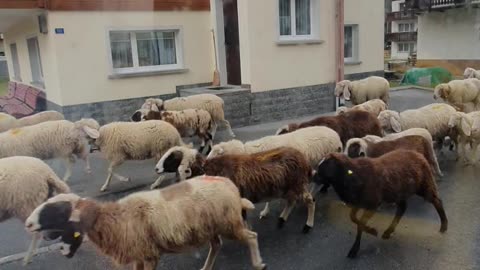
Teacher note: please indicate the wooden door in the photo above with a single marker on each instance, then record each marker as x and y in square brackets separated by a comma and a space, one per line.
[232, 42]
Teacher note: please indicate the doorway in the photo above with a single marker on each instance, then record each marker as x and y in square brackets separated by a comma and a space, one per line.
[232, 42]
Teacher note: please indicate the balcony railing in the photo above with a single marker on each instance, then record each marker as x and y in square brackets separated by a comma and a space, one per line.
[401, 37]
[398, 16]
[424, 5]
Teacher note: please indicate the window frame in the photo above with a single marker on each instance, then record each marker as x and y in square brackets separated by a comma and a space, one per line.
[409, 46]
[355, 44]
[293, 37]
[41, 81]
[16, 77]
[137, 69]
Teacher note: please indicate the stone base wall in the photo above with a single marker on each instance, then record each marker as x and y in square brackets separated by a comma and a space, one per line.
[242, 107]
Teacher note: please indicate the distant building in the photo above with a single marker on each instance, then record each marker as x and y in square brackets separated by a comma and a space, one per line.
[401, 33]
[448, 33]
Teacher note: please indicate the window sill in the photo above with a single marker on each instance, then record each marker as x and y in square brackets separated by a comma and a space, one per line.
[353, 63]
[38, 84]
[299, 41]
[146, 73]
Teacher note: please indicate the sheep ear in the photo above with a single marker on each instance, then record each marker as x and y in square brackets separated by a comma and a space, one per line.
[395, 124]
[154, 108]
[75, 216]
[346, 92]
[466, 128]
[92, 133]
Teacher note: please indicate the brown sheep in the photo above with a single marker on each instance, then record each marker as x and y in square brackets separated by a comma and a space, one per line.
[364, 148]
[279, 173]
[352, 124]
[366, 183]
[143, 226]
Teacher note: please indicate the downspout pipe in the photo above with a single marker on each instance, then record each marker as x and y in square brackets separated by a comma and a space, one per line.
[339, 37]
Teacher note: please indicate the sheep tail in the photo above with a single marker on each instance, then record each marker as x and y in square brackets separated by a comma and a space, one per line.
[247, 205]
[56, 186]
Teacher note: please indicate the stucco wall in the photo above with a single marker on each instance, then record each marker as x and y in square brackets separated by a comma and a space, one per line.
[84, 59]
[370, 16]
[453, 34]
[266, 65]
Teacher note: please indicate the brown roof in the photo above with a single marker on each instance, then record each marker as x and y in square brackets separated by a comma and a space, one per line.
[114, 5]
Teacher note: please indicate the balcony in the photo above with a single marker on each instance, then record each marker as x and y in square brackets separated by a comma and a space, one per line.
[437, 5]
[401, 15]
[401, 37]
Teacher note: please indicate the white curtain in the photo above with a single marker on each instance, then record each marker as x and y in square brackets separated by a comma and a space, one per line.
[121, 49]
[348, 45]
[285, 18]
[302, 17]
[156, 48]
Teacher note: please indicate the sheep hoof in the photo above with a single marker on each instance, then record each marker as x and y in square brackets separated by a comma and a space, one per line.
[443, 228]
[103, 189]
[281, 223]
[306, 229]
[261, 267]
[26, 262]
[372, 231]
[386, 235]
[352, 254]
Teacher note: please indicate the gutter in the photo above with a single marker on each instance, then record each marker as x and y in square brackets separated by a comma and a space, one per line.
[339, 40]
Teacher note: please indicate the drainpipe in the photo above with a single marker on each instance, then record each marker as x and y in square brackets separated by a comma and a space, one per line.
[339, 37]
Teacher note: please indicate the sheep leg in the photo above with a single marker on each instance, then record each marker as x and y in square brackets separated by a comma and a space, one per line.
[436, 165]
[265, 211]
[138, 266]
[158, 182]
[215, 245]
[84, 156]
[310, 202]
[360, 227]
[473, 153]
[441, 212]
[250, 238]
[150, 264]
[31, 249]
[113, 164]
[367, 229]
[68, 167]
[229, 128]
[213, 129]
[286, 213]
[401, 207]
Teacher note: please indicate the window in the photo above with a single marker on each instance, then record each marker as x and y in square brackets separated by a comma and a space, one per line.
[406, 47]
[295, 19]
[406, 27]
[16, 65]
[351, 43]
[143, 51]
[35, 61]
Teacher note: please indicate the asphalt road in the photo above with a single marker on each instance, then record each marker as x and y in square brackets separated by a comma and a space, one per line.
[417, 244]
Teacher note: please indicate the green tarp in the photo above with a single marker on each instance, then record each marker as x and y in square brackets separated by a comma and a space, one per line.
[426, 77]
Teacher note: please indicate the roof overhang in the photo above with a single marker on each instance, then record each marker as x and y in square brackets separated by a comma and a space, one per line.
[10, 17]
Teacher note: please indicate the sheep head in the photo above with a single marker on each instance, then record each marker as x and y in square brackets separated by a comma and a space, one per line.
[442, 91]
[153, 104]
[287, 129]
[178, 159]
[455, 119]
[356, 148]
[93, 138]
[65, 215]
[342, 110]
[226, 148]
[343, 88]
[139, 115]
[390, 121]
[469, 73]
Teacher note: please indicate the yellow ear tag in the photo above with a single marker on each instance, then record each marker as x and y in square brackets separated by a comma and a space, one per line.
[76, 235]
[349, 172]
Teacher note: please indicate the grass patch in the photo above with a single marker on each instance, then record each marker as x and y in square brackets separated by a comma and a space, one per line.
[3, 87]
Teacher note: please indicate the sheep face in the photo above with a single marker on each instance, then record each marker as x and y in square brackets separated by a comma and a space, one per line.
[226, 148]
[468, 73]
[137, 116]
[454, 120]
[55, 215]
[342, 89]
[390, 121]
[441, 91]
[287, 129]
[356, 148]
[94, 139]
[170, 162]
[341, 110]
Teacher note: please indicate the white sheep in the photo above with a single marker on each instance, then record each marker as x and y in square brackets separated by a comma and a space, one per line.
[25, 183]
[409, 132]
[461, 94]
[433, 117]
[188, 122]
[7, 121]
[121, 141]
[471, 73]
[364, 90]
[209, 102]
[374, 106]
[138, 229]
[50, 140]
[463, 124]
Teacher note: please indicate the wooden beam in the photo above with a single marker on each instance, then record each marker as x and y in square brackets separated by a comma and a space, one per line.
[128, 5]
[18, 4]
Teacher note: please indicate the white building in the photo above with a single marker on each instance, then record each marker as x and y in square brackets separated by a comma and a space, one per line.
[402, 31]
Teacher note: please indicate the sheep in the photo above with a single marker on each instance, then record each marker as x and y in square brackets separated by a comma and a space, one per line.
[358, 147]
[433, 117]
[366, 183]
[50, 140]
[364, 90]
[409, 132]
[121, 141]
[25, 183]
[471, 73]
[208, 102]
[278, 173]
[188, 123]
[463, 123]
[7, 121]
[374, 106]
[353, 124]
[143, 226]
[461, 94]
